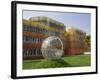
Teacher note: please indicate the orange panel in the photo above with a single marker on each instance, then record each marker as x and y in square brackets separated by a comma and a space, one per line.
[32, 45]
[35, 35]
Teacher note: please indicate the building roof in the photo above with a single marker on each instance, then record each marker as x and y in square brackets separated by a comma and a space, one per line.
[47, 19]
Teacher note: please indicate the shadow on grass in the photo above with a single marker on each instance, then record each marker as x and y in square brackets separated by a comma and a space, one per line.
[52, 64]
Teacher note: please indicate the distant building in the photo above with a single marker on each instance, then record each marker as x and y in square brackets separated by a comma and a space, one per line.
[35, 30]
[75, 41]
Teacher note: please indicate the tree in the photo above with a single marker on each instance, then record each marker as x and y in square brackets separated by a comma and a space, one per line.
[88, 40]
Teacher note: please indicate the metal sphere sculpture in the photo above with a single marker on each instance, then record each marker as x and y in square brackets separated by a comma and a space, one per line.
[52, 48]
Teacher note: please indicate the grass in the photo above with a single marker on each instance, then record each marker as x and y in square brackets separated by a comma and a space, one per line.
[68, 61]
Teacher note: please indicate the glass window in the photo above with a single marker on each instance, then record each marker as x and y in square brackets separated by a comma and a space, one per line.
[31, 51]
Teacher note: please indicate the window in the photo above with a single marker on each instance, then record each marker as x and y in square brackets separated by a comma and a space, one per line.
[33, 52]
[24, 52]
[24, 39]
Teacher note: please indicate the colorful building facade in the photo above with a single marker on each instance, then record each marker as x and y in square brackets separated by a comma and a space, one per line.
[35, 30]
[75, 41]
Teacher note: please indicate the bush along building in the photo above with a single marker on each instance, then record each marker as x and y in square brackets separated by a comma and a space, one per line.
[35, 30]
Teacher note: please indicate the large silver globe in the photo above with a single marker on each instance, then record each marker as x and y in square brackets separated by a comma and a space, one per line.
[52, 48]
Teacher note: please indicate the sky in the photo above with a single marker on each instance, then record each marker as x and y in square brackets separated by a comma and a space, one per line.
[80, 21]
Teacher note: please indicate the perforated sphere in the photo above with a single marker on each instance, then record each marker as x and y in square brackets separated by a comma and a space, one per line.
[52, 48]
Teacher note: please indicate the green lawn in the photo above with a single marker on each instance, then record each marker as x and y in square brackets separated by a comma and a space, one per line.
[68, 61]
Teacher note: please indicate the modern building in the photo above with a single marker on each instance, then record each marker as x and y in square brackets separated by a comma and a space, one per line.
[75, 41]
[35, 30]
